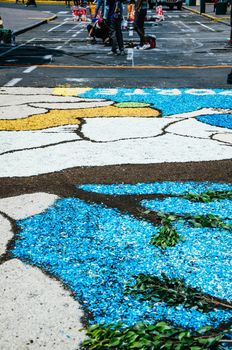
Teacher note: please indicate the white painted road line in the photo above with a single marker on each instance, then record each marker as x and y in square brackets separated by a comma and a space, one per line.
[130, 54]
[53, 28]
[131, 32]
[29, 69]
[188, 28]
[13, 82]
[16, 47]
[70, 30]
[79, 80]
[203, 25]
[58, 47]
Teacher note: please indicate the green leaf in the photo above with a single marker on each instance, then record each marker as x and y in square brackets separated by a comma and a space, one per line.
[137, 345]
[146, 211]
[205, 329]
[183, 335]
[114, 342]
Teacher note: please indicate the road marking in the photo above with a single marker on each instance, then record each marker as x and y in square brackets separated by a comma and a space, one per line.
[63, 12]
[70, 30]
[67, 41]
[80, 80]
[53, 28]
[16, 47]
[173, 16]
[12, 60]
[130, 54]
[187, 27]
[203, 25]
[54, 66]
[29, 69]
[131, 32]
[58, 47]
[13, 82]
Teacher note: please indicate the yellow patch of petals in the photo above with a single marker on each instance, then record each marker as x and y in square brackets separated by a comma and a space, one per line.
[72, 117]
[41, 121]
[69, 91]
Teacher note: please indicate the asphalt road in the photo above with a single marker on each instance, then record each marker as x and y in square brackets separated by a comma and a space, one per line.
[191, 52]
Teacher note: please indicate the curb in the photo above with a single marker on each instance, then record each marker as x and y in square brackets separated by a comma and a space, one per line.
[23, 30]
[212, 18]
[42, 2]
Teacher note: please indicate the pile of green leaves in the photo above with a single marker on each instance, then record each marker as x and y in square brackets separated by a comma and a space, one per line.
[208, 196]
[208, 220]
[171, 291]
[142, 336]
[167, 235]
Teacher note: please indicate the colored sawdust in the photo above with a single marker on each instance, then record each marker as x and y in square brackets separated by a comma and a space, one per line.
[41, 121]
[71, 117]
[69, 91]
[131, 104]
[223, 137]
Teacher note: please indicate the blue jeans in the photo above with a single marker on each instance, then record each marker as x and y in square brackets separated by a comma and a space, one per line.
[100, 6]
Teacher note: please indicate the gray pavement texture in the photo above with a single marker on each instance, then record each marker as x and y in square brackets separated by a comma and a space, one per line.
[210, 13]
[21, 20]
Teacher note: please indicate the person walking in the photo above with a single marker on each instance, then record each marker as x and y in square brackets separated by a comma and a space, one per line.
[114, 15]
[140, 15]
[99, 6]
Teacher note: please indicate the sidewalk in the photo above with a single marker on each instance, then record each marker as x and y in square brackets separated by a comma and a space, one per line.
[209, 13]
[21, 20]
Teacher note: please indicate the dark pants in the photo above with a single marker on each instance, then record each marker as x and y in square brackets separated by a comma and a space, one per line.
[139, 25]
[115, 34]
[31, 2]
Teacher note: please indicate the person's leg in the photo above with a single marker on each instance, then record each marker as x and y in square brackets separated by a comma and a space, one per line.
[137, 28]
[119, 34]
[112, 35]
[97, 8]
[139, 25]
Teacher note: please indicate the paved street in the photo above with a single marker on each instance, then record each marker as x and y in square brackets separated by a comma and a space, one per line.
[115, 186]
[188, 46]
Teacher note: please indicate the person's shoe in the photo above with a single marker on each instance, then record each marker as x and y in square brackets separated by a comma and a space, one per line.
[145, 47]
[113, 53]
[122, 53]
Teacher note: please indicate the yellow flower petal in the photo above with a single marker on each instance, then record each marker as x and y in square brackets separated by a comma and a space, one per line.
[69, 91]
[71, 117]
